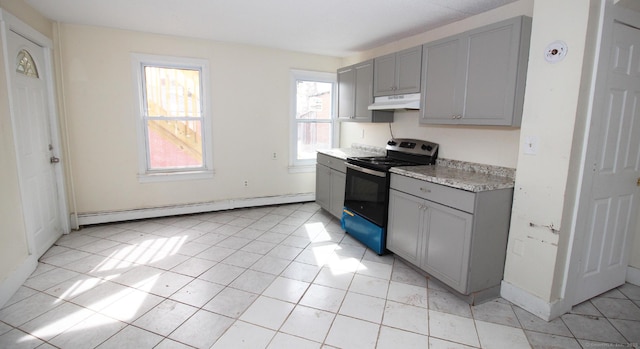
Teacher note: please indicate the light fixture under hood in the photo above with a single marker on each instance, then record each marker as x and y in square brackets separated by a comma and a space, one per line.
[408, 101]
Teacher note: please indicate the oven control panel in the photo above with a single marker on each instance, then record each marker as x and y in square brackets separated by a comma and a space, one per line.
[413, 146]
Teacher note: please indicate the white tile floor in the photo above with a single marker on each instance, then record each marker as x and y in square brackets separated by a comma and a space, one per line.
[270, 277]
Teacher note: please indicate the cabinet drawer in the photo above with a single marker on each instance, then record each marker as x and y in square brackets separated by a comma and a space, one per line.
[330, 161]
[452, 197]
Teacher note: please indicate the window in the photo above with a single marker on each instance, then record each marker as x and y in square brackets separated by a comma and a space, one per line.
[313, 126]
[174, 131]
[26, 65]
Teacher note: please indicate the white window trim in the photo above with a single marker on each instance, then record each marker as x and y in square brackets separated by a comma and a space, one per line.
[144, 174]
[299, 166]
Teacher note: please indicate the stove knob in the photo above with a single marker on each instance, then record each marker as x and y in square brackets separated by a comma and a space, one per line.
[392, 143]
[429, 148]
[426, 147]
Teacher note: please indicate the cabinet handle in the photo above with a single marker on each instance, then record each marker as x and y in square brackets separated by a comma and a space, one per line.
[425, 190]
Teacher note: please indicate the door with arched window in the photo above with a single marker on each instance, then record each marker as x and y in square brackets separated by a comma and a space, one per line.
[36, 153]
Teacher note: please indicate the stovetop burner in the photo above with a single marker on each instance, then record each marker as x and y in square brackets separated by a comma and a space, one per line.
[400, 152]
[381, 161]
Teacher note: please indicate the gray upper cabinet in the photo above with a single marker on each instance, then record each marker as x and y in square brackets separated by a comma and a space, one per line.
[442, 95]
[346, 92]
[398, 73]
[355, 94]
[477, 77]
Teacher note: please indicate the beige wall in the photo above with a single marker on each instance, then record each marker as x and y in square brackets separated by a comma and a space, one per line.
[27, 14]
[489, 145]
[550, 113]
[250, 98]
[13, 240]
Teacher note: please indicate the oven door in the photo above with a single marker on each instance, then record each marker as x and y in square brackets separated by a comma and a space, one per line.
[367, 193]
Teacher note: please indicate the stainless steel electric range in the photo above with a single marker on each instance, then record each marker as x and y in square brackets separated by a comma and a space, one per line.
[367, 188]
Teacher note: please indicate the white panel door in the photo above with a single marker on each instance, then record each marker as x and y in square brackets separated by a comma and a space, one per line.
[613, 168]
[30, 108]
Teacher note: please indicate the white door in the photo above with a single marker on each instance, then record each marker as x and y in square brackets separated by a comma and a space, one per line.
[610, 203]
[36, 160]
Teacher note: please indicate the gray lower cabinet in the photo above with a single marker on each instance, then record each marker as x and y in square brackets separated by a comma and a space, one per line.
[405, 226]
[330, 184]
[447, 249]
[456, 236]
[355, 94]
[477, 77]
[336, 200]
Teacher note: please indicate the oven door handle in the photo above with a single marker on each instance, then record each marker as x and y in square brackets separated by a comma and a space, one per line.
[367, 170]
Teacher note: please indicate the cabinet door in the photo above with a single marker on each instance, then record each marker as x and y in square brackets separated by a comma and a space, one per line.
[323, 186]
[492, 68]
[484, 84]
[363, 89]
[408, 67]
[404, 228]
[448, 245]
[384, 79]
[346, 92]
[338, 183]
[442, 81]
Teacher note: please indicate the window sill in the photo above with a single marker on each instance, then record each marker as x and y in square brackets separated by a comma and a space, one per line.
[174, 176]
[302, 168]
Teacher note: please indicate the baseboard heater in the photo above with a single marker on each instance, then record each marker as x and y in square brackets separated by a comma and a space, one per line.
[153, 212]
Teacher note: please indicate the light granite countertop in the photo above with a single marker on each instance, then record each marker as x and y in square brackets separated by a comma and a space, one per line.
[354, 151]
[467, 176]
[463, 175]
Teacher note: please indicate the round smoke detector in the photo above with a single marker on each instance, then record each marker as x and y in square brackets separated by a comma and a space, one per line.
[555, 51]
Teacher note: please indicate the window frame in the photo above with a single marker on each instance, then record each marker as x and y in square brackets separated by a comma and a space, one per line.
[308, 165]
[145, 173]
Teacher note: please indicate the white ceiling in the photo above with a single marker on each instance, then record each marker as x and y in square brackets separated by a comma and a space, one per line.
[329, 27]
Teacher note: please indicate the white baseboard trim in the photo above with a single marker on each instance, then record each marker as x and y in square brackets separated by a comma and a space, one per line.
[536, 306]
[127, 215]
[12, 283]
[633, 275]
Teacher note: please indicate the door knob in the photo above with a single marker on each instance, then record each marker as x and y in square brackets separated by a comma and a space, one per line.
[54, 160]
[638, 182]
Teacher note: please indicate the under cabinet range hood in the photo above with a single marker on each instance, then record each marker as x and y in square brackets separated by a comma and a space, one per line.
[408, 101]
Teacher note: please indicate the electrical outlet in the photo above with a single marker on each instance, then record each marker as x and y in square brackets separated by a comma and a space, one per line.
[246, 183]
[274, 156]
[531, 145]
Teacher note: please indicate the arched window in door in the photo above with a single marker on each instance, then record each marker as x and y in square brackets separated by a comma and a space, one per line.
[26, 65]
